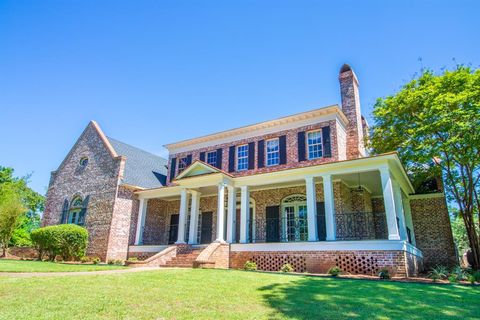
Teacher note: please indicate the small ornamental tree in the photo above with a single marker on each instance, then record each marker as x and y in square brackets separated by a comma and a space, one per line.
[11, 211]
[434, 124]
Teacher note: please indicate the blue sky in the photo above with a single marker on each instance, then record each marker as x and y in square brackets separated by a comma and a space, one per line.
[155, 72]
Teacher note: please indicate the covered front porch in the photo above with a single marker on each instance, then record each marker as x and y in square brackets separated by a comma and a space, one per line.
[357, 200]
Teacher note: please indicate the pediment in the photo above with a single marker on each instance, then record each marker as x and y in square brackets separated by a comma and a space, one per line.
[198, 168]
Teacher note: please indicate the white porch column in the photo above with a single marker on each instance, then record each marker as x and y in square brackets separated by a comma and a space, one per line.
[389, 200]
[142, 213]
[329, 199]
[231, 215]
[183, 216]
[311, 209]
[192, 235]
[408, 218]
[244, 213]
[221, 213]
[397, 194]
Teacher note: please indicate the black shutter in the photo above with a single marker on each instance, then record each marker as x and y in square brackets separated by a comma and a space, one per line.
[327, 148]
[189, 160]
[251, 156]
[219, 158]
[261, 153]
[202, 156]
[231, 159]
[321, 225]
[63, 217]
[301, 146]
[173, 166]
[282, 141]
[273, 224]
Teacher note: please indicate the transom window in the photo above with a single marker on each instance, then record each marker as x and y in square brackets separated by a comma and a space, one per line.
[182, 164]
[242, 157]
[273, 152]
[314, 141]
[212, 158]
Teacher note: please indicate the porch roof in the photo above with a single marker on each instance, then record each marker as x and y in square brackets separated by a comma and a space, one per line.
[372, 163]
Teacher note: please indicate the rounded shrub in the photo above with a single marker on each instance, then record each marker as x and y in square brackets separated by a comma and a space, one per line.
[250, 266]
[66, 240]
[287, 267]
[384, 274]
[334, 271]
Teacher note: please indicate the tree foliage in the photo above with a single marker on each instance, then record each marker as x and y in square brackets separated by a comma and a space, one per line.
[29, 199]
[433, 122]
[11, 209]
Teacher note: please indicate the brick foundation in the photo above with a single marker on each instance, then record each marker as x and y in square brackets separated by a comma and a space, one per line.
[399, 263]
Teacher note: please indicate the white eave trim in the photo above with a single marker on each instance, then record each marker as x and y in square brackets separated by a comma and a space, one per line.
[328, 113]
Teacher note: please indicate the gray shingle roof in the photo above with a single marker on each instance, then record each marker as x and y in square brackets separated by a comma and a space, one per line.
[142, 169]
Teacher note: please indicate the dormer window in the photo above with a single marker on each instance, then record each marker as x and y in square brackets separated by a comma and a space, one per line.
[242, 157]
[314, 143]
[212, 158]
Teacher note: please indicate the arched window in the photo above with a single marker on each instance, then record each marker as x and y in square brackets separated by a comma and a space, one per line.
[77, 211]
[294, 218]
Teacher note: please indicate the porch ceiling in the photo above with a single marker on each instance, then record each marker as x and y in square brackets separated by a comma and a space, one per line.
[370, 180]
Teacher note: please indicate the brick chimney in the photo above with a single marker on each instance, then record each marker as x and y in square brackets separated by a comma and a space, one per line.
[351, 108]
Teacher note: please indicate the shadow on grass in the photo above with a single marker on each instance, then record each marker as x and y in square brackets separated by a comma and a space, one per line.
[329, 298]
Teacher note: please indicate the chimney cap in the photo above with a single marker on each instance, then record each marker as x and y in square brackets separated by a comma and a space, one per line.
[345, 68]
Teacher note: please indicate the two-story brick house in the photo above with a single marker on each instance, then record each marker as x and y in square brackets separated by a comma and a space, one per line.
[301, 190]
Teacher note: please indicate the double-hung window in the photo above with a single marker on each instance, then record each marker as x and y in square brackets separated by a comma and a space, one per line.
[242, 157]
[212, 158]
[273, 152]
[182, 164]
[314, 142]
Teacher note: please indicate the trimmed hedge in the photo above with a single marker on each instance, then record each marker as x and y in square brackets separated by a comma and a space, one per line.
[66, 240]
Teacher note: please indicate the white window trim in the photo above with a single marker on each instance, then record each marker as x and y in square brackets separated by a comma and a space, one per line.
[180, 170]
[266, 152]
[308, 145]
[215, 156]
[237, 162]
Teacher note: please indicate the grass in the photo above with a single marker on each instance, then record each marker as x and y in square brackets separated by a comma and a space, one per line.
[229, 294]
[41, 266]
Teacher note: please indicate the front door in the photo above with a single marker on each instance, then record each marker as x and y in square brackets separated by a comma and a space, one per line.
[173, 232]
[206, 229]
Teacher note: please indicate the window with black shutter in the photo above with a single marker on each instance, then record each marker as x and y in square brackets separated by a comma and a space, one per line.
[173, 165]
[231, 159]
[202, 156]
[301, 146]
[283, 149]
[261, 154]
[327, 148]
[251, 156]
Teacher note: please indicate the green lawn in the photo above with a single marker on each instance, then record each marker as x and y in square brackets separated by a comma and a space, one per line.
[40, 266]
[229, 294]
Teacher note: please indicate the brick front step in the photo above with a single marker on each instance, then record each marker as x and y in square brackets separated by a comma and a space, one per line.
[184, 259]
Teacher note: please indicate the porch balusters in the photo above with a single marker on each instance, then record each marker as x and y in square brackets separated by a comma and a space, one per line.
[193, 230]
[389, 199]
[182, 217]
[311, 209]
[142, 212]
[329, 208]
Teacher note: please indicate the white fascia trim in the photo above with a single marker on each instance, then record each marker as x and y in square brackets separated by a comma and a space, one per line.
[427, 196]
[366, 245]
[325, 114]
[141, 248]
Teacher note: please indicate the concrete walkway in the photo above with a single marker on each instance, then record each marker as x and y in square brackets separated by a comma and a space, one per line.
[76, 273]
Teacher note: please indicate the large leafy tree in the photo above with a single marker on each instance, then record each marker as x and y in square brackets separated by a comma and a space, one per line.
[31, 200]
[434, 124]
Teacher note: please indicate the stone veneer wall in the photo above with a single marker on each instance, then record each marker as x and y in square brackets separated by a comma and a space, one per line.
[99, 180]
[433, 232]
[291, 150]
[399, 263]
